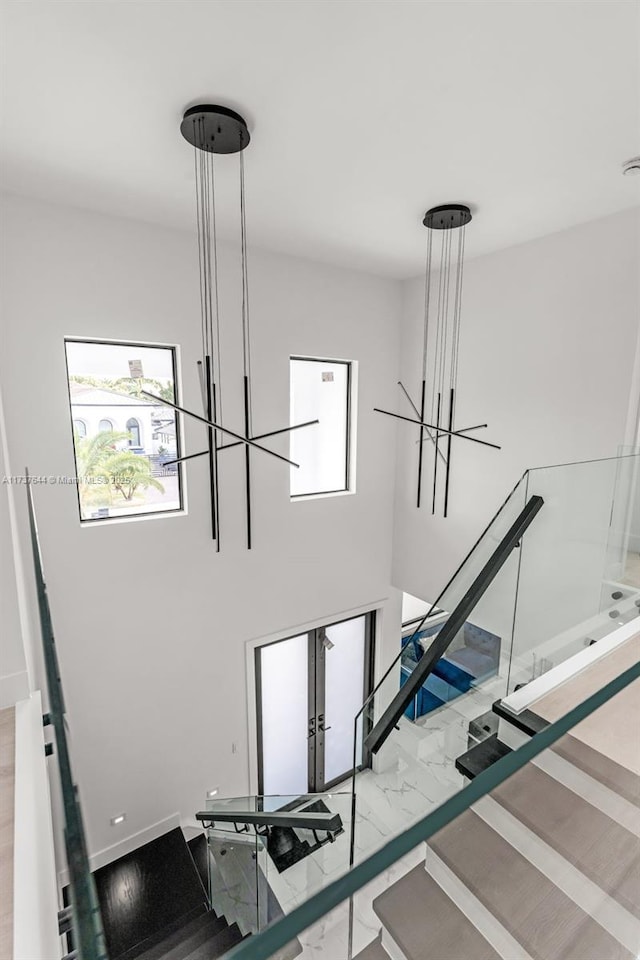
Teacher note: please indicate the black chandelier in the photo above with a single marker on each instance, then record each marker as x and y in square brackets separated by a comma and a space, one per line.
[212, 130]
[441, 346]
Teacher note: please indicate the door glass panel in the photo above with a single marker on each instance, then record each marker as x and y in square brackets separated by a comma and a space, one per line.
[284, 687]
[344, 694]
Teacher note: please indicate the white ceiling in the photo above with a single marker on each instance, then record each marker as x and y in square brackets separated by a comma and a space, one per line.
[362, 113]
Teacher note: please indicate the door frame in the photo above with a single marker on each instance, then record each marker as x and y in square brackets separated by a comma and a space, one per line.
[316, 693]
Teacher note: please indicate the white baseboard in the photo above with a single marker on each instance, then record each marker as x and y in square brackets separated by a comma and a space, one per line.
[102, 857]
[13, 688]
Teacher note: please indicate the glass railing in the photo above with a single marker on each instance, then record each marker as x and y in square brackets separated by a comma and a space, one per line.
[570, 580]
[579, 570]
[414, 767]
[267, 854]
[80, 921]
[538, 855]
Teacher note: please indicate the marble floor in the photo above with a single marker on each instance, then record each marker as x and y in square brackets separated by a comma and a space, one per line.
[413, 774]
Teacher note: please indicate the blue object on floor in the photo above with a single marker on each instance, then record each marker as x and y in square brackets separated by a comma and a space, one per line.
[455, 673]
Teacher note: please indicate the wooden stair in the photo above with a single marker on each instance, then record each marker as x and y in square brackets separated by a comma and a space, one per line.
[545, 868]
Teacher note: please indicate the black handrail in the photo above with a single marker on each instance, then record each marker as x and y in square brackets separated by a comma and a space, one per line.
[330, 822]
[87, 923]
[456, 621]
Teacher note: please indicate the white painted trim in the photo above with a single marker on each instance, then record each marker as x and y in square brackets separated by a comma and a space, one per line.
[14, 687]
[377, 606]
[474, 910]
[608, 913]
[35, 891]
[390, 946]
[122, 847]
[524, 698]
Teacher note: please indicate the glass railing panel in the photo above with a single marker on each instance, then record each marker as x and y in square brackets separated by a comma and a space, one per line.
[536, 856]
[415, 768]
[496, 608]
[258, 874]
[577, 580]
[236, 877]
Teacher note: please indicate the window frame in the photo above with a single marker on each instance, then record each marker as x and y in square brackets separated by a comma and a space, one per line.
[146, 514]
[318, 494]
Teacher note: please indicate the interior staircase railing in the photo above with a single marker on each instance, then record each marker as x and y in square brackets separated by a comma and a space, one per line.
[82, 920]
[453, 625]
[329, 916]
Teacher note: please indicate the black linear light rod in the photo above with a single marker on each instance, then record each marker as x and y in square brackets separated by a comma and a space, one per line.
[439, 430]
[456, 621]
[429, 435]
[189, 456]
[237, 443]
[272, 433]
[211, 423]
[478, 426]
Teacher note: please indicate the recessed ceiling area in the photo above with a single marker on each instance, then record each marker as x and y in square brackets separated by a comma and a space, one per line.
[362, 115]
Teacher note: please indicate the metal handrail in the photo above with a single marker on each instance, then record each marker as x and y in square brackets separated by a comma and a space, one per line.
[389, 719]
[331, 822]
[87, 924]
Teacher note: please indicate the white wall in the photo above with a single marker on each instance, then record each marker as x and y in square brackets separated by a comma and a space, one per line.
[156, 691]
[549, 331]
[14, 676]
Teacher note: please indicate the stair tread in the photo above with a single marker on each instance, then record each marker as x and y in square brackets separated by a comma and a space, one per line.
[373, 951]
[526, 720]
[207, 931]
[216, 946]
[481, 756]
[600, 848]
[600, 767]
[147, 890]
[541, 917]
[154, 947]
[407, 910]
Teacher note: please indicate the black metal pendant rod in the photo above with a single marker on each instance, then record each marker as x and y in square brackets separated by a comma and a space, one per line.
[431, 426]
[189, 456]
[448, 470]
[213, 453]
[435, 465]
[429, 435]
[271, 433]
[420, 454]
[238, 443]
[478, 426]
[217, 426]
[247, 461]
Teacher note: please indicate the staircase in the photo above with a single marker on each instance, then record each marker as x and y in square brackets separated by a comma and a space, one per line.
[154, 904]
[547, 867]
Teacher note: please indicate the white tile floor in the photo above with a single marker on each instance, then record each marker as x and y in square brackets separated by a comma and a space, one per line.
[412, 774]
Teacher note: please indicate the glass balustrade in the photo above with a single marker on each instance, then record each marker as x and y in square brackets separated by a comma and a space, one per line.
[537, 856]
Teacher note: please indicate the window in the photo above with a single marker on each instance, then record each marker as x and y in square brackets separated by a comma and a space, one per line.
[133, 427]
[320, 389]
[121, 465]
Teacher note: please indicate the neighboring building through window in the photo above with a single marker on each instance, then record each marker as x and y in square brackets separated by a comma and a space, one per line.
[121, 462]
[320, 389]
[133, 427]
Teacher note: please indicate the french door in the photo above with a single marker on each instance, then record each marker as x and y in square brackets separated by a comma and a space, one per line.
[309, 689]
